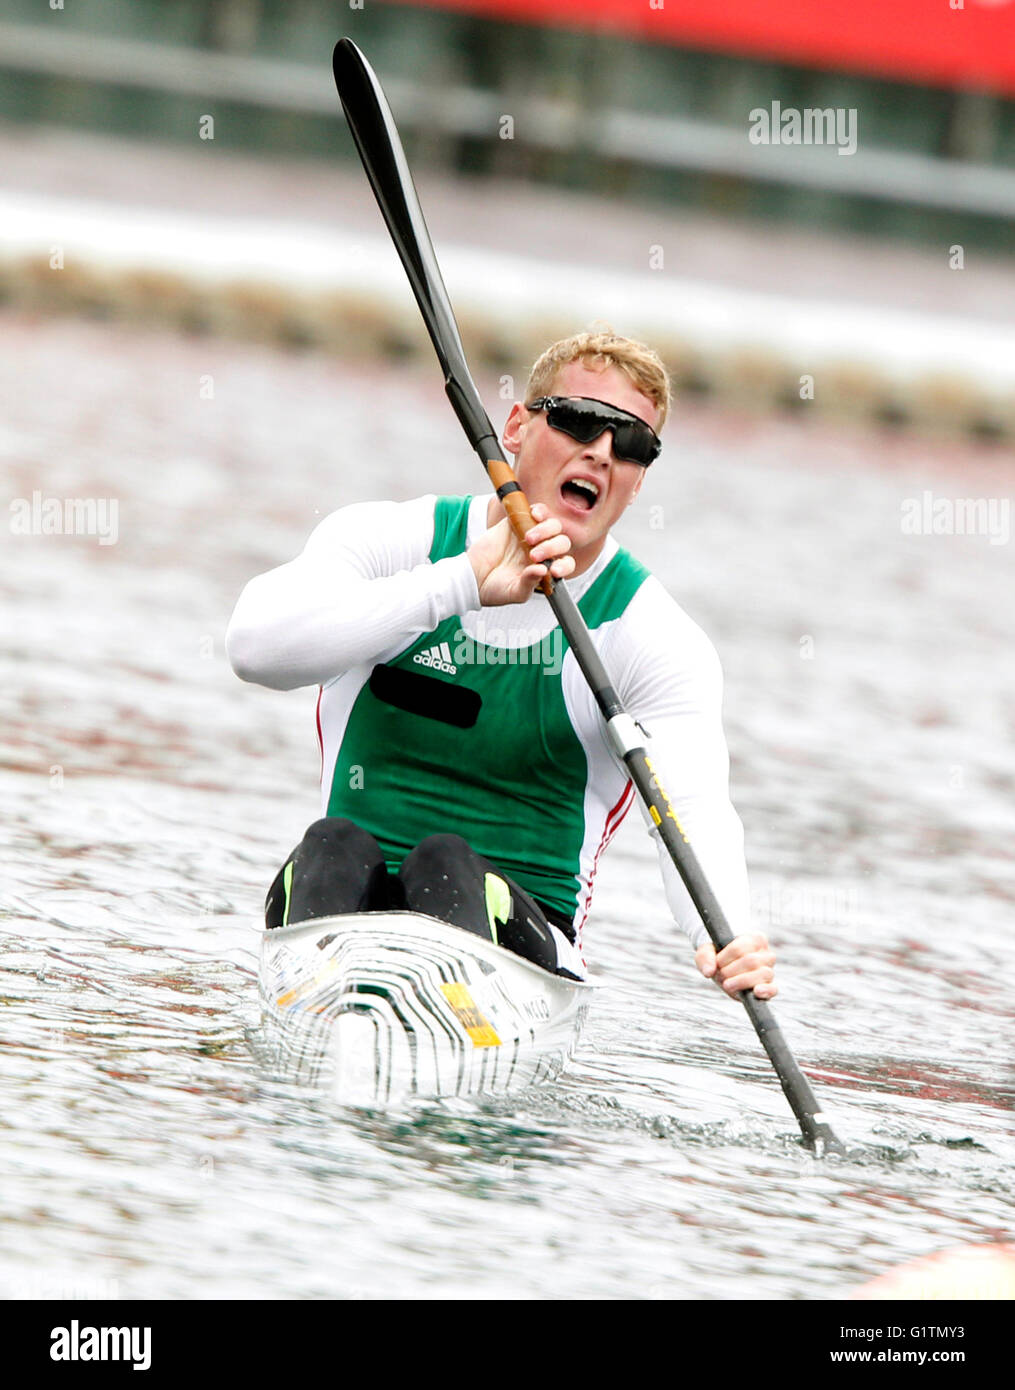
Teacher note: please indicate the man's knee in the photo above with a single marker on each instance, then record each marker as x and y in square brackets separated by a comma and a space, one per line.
[332, 831]
[436, 852]
[338, 867]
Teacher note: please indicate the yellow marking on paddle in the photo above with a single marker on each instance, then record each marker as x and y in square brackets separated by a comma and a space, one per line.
[669, 808]
[479, 1029]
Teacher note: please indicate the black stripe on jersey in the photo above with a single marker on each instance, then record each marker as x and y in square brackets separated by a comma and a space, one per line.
[426, 695]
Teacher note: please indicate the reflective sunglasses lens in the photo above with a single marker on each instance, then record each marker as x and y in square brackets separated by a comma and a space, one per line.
[634, 444]
[581, 424]
[585, 420]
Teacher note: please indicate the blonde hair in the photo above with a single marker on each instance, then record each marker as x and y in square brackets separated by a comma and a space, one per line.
[600, 350]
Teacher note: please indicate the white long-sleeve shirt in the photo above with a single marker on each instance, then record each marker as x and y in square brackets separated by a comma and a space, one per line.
[364, 589]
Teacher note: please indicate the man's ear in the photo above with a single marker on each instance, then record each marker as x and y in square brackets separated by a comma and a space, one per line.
[637, 486]
[512, 436]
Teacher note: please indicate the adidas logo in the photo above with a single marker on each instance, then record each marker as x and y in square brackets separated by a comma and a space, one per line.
[437, 658]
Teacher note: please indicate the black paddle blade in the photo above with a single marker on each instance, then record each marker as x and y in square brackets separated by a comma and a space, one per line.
[380, 148]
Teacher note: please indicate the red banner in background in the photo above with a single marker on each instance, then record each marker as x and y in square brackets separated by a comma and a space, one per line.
[951, 43]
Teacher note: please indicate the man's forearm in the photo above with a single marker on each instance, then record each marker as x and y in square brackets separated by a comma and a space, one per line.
[716, 836]
[360, 592]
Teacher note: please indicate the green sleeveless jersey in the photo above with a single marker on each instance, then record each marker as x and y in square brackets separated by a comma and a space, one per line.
[457, 735]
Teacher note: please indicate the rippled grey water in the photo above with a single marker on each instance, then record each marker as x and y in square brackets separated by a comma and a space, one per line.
[148, 795]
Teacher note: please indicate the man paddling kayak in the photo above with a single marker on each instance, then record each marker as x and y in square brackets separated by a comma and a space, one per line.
[466, 770]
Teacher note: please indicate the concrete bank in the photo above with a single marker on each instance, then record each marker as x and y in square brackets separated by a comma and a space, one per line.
[750, 314]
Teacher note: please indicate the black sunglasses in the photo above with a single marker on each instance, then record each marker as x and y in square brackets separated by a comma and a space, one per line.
[585, 419]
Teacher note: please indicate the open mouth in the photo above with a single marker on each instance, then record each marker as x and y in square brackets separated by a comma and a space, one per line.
[581, 493]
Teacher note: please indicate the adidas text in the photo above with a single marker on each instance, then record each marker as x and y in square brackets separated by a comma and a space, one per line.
[438, 658]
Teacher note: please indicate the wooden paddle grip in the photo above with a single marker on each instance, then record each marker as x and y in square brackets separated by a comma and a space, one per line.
[516, 504]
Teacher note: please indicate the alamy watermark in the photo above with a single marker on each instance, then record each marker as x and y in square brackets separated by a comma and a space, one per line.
[928, 515]
[801, 904]
[75, 1342]
[66, 516]
[491, 648]
[67, 1288]
[814, 125]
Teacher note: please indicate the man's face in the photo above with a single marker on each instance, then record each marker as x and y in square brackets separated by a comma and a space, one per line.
[547, 462]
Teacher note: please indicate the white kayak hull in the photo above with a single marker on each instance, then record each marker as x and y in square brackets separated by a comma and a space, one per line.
[380, 1006]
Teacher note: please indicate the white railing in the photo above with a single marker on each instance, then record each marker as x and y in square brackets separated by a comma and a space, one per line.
[669, 142]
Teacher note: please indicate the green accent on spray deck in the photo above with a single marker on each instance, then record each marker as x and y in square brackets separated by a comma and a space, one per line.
[287, 886]
[498, 902]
